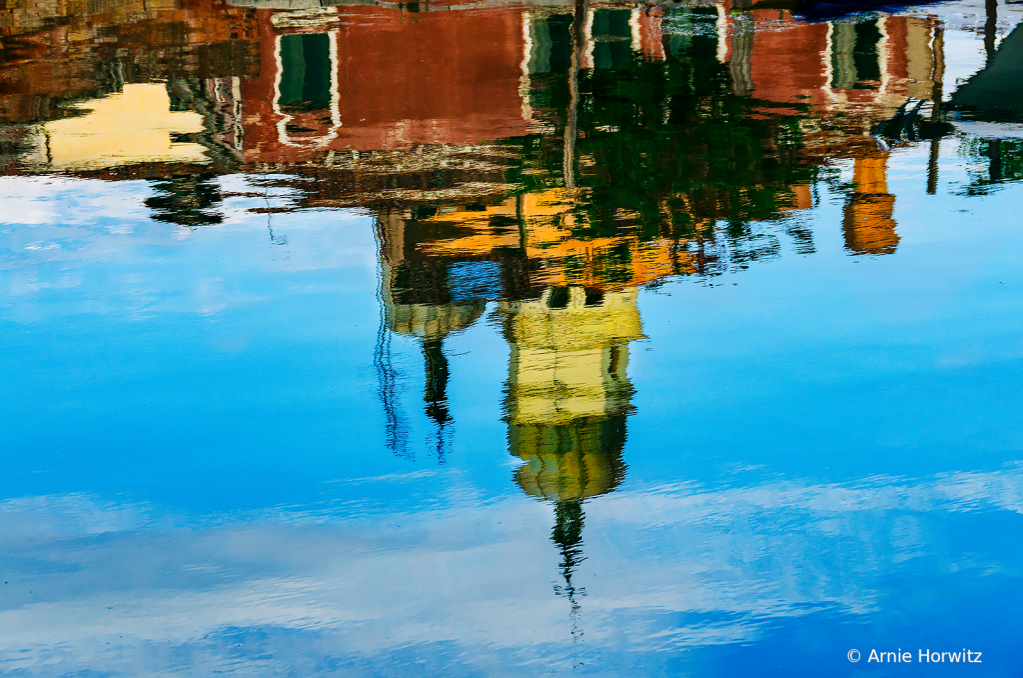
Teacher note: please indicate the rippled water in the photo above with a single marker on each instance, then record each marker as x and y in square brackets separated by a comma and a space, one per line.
[500, 339]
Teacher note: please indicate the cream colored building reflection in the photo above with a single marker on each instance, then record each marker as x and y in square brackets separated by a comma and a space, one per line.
[415, 293]
[430, 317]
[136, 125]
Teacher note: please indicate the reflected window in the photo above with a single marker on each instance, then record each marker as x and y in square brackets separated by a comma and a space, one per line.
[854, 55]
[692, 31]
[305, 72]
[612, 38]
[558, 298]
[551, 39]
[868, 68]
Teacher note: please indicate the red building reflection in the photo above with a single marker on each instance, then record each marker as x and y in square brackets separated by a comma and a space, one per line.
[374, 78]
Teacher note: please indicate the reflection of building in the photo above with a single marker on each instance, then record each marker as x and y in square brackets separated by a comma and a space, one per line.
[567, 398]
[868, 224]
[372, 78]
[863, 70]
[56, 52]
[568, 392]
[129, 90]
[864, 67]
[135, 125]
[568, 328]
[422, 298]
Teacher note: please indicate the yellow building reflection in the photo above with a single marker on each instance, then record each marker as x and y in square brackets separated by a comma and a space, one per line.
[568, 391]
[133, 126]
[568, 307]
[568, 394]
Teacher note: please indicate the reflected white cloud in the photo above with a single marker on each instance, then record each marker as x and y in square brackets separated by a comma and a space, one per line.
[727, 562]
[96, 241]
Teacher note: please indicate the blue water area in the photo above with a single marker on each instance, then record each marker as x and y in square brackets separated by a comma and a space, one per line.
[823, 454]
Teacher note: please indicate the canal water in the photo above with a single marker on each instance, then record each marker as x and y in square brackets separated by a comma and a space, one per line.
[510, 339]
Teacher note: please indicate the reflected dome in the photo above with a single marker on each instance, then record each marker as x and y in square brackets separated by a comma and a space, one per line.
[571, 461]
[433, 321]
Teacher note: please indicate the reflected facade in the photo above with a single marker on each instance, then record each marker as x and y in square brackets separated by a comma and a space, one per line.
[665, 122]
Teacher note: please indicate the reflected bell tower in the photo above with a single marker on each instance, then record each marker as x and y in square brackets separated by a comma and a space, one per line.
[568, 395]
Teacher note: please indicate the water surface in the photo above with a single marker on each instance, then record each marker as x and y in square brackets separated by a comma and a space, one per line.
[503, 339]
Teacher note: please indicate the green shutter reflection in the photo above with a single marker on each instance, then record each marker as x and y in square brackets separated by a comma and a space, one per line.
[305, 72]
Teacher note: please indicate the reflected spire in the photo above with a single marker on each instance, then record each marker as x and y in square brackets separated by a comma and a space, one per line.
[568, 535]
[437, 374]
[436, 392]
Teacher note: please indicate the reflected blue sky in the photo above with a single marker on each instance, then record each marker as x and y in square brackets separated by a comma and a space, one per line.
[709, 366]
[823, 455]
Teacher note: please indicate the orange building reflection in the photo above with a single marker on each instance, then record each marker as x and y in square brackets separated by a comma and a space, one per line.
[868, 224]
